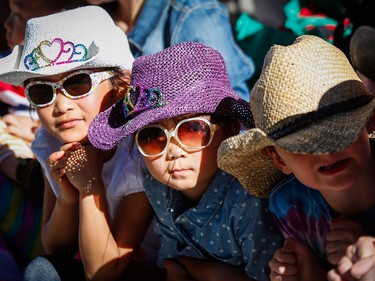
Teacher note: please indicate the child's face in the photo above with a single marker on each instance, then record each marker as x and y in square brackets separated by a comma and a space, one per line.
[20, 12]
[65, 118]
[189, 171]
[328, 172]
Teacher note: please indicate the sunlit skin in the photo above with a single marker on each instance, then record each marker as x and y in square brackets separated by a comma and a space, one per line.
[68, 120]
[20, 12]
[341, 177]
[187, 171]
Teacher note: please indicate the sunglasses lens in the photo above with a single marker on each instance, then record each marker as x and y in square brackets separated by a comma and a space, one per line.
[194, 133]
[40, 93]
[151, 140]
[78, 85]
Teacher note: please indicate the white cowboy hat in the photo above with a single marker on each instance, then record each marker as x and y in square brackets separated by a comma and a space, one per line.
[85, 37]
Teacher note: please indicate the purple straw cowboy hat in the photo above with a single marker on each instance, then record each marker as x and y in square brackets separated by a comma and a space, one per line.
[79, 38]
[185, 78]
[308, 99]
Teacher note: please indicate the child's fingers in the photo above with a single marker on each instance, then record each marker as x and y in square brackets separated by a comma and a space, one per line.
[55, 157]
[175, 270]
[282, 257]
[337, 242]
[364, 269]
[283, 264]
[274, 276]
[343, 228]
[365, 247]
[333, 275]
[71, 146]
[344, 266]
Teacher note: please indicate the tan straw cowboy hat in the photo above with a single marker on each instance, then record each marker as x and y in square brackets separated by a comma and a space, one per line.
[309, 100]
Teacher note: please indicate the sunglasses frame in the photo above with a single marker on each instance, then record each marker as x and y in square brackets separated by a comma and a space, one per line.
[96, 77]
[173, 133]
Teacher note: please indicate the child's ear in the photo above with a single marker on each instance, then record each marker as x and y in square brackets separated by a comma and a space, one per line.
[277, 160]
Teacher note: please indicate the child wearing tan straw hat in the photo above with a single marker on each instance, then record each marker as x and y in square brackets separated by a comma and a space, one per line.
[310, 154]
[73, 65]
[179, 108]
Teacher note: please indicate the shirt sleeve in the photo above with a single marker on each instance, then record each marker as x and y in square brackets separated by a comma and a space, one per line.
[210, 25]
[301, 213]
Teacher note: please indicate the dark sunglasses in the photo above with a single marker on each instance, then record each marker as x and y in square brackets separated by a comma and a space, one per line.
[192, 134]
[76, 85]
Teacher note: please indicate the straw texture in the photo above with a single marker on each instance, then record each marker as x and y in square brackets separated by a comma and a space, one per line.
[308, 99]
[186, 78]
[85, 37]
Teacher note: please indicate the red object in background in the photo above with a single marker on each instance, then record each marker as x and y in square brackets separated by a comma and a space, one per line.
[12, 95]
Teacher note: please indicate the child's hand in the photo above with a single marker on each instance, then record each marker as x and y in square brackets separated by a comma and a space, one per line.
[83, 167]
[358, 263]
[21, 126]
[343, 232]
[176, 271]
[57, 162]
[294, 262]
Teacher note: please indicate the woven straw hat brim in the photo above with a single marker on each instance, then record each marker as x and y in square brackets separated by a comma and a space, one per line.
[241, 155]
[110, 127]
[186, 78]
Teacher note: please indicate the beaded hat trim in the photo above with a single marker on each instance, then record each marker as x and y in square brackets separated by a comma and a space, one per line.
[145, 99]
[55, 52]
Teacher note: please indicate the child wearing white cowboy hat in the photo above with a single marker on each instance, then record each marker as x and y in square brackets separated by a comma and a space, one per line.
[310, 110]
[73, 65]
[179, 108]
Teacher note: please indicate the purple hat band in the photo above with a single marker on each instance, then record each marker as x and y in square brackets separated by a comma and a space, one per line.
[186, 78]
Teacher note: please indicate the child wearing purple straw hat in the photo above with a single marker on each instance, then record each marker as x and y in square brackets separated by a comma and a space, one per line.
[180, 107]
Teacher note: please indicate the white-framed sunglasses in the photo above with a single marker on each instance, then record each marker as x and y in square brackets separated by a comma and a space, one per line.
[76, 85]
[192, 134]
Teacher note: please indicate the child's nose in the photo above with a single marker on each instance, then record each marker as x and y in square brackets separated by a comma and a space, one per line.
[62, 103]
[174, 149]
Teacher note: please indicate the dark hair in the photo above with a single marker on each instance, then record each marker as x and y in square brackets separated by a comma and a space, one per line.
[230, 127]
[120, 82]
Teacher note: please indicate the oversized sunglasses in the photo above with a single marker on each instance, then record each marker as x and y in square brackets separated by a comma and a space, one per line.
[76, 85]
[192, 134]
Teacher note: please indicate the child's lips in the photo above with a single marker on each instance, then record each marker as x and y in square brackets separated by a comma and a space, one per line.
[67, 124]
[334, 168]
[179, 172]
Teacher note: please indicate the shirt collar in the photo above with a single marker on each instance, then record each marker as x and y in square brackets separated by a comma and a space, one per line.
[214, 197]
